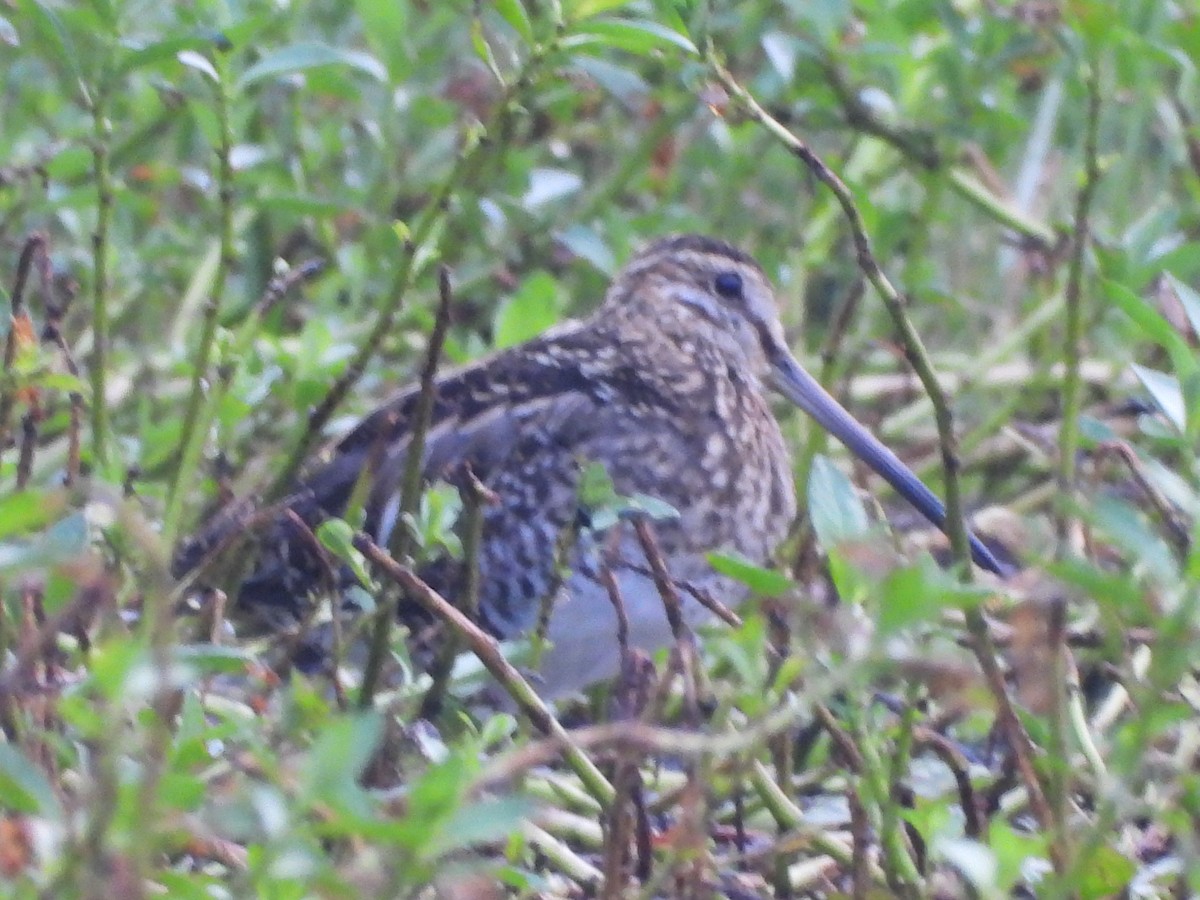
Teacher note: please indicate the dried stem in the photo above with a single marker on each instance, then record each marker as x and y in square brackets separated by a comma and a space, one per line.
[1177, 531]
[20, 328]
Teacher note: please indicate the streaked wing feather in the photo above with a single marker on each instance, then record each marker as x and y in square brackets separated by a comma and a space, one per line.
[497, 416]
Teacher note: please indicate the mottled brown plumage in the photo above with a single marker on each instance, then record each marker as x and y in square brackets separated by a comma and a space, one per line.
[666, 385]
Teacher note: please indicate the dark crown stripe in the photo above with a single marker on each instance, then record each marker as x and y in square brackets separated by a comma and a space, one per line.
[698, 243]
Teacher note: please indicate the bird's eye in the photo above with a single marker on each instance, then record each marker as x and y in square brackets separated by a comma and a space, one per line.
[728, 285]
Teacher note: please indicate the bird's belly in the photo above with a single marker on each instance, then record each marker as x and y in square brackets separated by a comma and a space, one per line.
[742, 503]
[583, 630]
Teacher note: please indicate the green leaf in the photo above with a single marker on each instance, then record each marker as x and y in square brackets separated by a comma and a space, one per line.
[837, 512]
[182, 790]
[1129, 531]
[1153, 327]
[585, 9]
[382, 24]
[23, 787]
[105, 12]
[485, 822]
[61, 381]
[50, 33]
[652, 508]
[8, 34]
[1164, 390]
[1104, 873]
[432, 801]
[213, 658]
[907, 600]
[764, 582]
[439, 511]
[498, 727]
[337, 537]
[303, 205]
[596, 488]
[621, 81]
[1189, 299]
[529, 312]
[25, 512]
[140, 57]
[639, 36]
[1171, 485]
[513, 12]
[585, 243]
[308, 55]
[548, 185]
[62, 542]
[200, 63]
[342, 750]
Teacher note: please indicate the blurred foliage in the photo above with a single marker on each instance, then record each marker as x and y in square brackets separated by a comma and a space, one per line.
[180, 164]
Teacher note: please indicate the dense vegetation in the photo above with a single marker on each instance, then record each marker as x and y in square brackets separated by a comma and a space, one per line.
[221, 231]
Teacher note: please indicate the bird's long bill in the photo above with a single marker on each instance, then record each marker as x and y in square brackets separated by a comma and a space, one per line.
[802, 389]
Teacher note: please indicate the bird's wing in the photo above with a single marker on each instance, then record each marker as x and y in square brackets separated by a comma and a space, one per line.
[492, 416]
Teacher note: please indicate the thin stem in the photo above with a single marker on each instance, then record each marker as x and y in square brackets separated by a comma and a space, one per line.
[982, 645]
[101, 136]
[1072, 380]
[191, 442]
[919, 147]
[410, 490]
[486, 649]
[1058, 774]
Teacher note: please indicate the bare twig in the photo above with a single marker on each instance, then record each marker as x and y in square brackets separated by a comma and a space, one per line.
[914, 348]
[685, 641]
[56, 309]
[29, 424]
[917, 356]
[1177, 531]
[974, 813]
[1073, 353]
[484, 646]
[860, 832]
[695, 591]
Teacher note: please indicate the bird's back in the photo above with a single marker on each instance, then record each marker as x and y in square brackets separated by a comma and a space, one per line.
[674, 423]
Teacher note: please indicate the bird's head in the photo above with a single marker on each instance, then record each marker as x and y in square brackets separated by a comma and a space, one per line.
[691, 286]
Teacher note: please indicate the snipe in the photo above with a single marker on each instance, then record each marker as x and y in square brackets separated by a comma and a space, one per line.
[666, 385]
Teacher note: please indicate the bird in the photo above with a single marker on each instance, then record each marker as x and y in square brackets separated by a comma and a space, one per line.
[667, 385]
